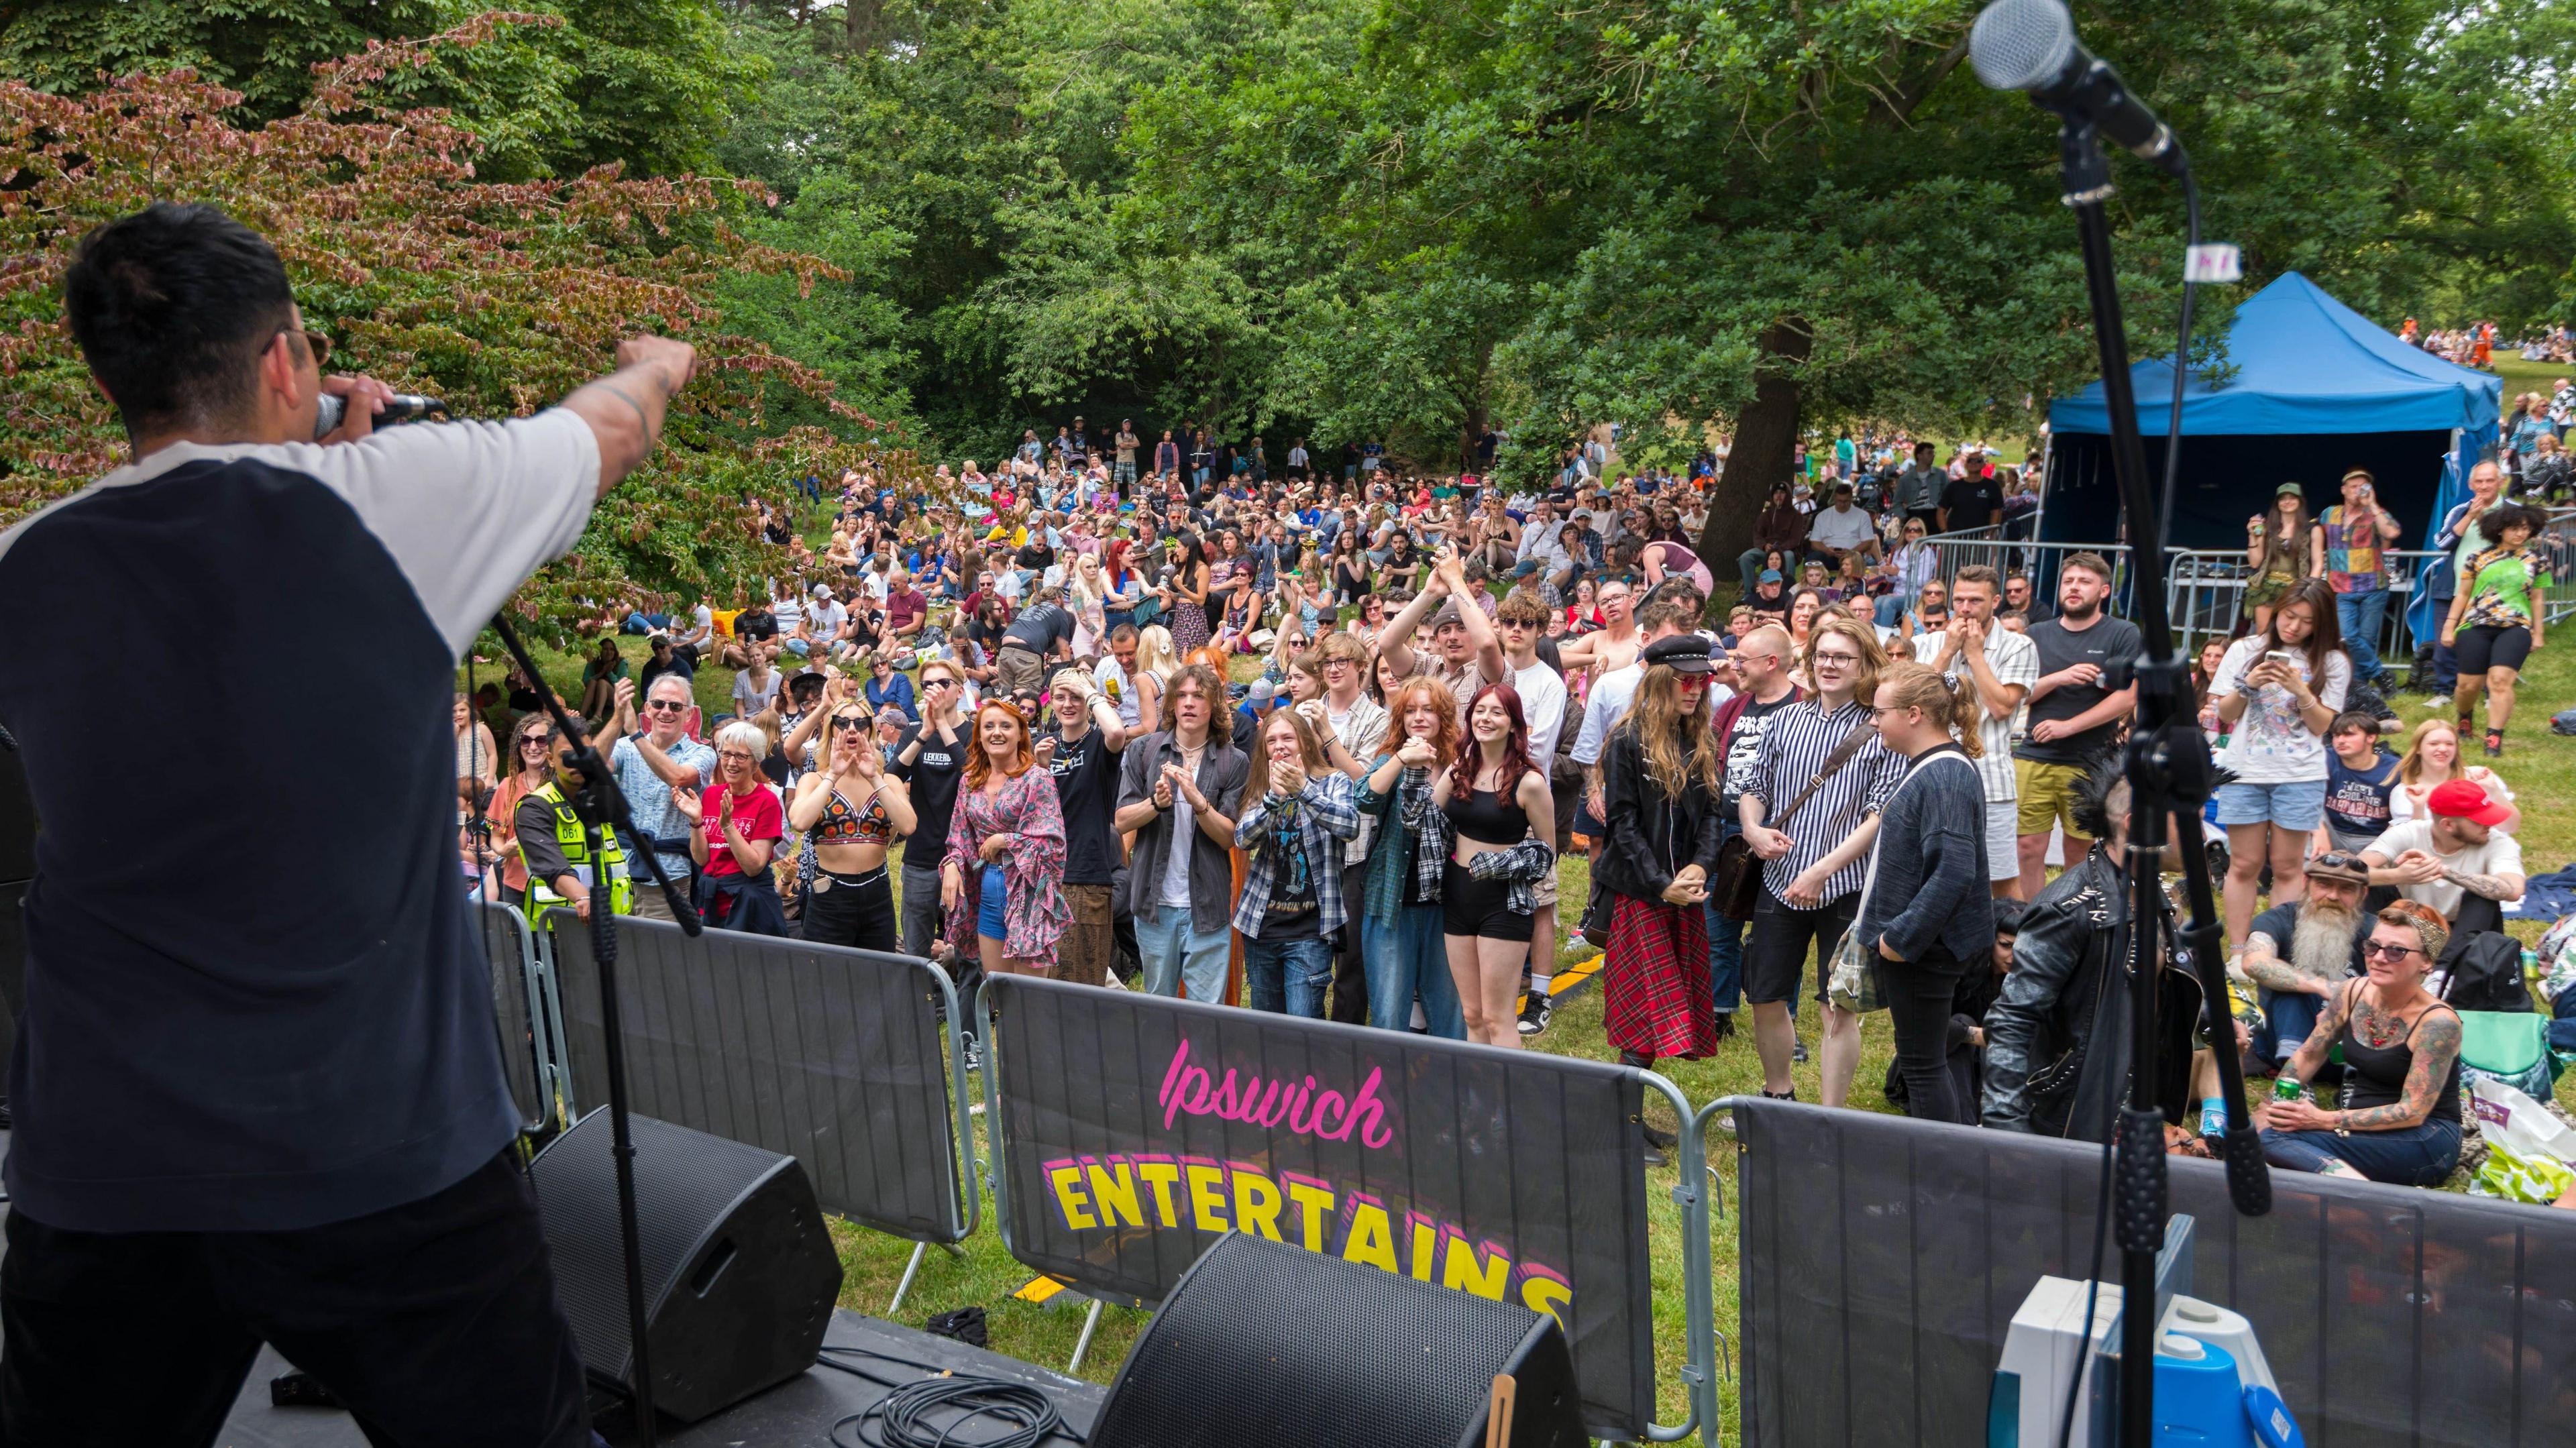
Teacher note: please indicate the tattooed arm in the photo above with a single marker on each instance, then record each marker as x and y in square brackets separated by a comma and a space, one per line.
[2330, 1018]
[2264, 966]
[2436, 1043]
[2492, 887]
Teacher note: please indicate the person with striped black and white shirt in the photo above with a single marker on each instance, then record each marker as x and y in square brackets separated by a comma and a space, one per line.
[1813, 867]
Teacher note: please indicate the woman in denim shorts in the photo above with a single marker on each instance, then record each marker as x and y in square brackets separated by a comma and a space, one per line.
[2278, 691]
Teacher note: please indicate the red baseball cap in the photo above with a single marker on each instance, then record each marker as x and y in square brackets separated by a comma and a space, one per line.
[2466, 799]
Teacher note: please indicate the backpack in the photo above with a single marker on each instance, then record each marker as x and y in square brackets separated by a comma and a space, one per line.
[2483, 972]
[2563, 722]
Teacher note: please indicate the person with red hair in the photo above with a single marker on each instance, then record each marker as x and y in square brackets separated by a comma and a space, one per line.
[1002, 881]
[1493, 801]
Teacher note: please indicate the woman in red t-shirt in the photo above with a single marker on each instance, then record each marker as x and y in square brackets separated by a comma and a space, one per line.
[737, 833]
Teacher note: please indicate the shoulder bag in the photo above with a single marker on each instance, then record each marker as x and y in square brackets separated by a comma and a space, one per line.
[1736, 883]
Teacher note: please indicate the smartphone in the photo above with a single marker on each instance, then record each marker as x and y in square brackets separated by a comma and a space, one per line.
[2282, 657]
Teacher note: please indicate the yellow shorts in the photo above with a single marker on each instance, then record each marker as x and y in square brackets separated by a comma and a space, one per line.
[2047, 794]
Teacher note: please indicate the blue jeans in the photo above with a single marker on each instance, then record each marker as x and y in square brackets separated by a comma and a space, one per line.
[1725, 961]
[637, 623]
[2420, 1156]
[1888, 609]
[2360, 615]
[1404, 957]
[1287, 976]
[2289, 1018]
[1174, 955]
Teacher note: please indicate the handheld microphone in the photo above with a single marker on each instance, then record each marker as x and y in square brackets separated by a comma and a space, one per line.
[2030, 45]
[401, 407]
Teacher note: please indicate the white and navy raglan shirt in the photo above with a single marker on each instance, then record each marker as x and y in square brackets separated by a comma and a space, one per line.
[254, 997]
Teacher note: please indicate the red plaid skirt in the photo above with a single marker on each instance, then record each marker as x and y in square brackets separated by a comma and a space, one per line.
[1654, 982]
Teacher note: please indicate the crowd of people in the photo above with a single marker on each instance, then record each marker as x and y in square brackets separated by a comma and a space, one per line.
[1314, 743]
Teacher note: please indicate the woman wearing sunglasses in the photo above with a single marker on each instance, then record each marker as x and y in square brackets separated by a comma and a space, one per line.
[853, 810]
[2397, 1118]
[529, 770]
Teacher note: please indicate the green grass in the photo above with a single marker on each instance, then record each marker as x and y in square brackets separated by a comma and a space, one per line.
[2541, 768]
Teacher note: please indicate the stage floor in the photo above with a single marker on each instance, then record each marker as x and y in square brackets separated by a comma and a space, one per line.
[798, 1413]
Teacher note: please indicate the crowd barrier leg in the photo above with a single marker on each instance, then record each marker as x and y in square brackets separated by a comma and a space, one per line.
[1699, 1309]
[1082, 1345]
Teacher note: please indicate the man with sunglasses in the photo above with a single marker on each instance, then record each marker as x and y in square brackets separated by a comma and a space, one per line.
[649, 763]
[240, 1123]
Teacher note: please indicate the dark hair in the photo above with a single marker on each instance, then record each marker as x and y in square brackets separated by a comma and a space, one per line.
[2325, 636]
[1516, 742]
[2495, 520]
[2008, 912]
[172, 307]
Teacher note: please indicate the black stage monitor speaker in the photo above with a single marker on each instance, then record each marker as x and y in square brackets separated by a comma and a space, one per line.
[1261, 1343]
[739, 1271]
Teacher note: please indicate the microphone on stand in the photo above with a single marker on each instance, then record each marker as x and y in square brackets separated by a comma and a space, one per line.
[2030, 45]
[401, 407]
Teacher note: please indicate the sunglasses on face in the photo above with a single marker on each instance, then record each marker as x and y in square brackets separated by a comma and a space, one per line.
[319, 345]
[667, 706]
[849, 721]
[533, 741]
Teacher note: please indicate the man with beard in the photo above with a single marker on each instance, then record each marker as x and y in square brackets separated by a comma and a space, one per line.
[2324, 933]
[2058, 1036]
[2074, 712]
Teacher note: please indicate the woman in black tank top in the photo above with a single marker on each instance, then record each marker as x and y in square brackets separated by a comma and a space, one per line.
[1494, 799]
[2398, 1118]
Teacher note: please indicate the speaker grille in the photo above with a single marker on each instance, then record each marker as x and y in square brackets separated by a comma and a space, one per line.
[2018, 44]
[686, 1182]
[1265, 1342]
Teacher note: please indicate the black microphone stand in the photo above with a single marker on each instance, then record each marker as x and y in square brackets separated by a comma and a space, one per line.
[601, 804]
[2168, 770]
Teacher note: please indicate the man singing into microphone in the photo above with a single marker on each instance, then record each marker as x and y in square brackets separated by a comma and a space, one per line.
[247, 1114]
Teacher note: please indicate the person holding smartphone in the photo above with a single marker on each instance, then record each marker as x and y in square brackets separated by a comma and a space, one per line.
[2278, 691]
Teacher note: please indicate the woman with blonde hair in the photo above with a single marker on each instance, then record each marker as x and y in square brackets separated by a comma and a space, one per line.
[851, 899]
[1809, 804]
[1002, 881]
[1400, 915]
[1297, 816]
[2433, 757]
[1156, 662]
[1926, 913]
[1661, 771]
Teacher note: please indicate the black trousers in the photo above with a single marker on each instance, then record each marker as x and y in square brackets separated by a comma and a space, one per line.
[856, 910]
[1920, 995]
[1350, 970]
[435, 1322]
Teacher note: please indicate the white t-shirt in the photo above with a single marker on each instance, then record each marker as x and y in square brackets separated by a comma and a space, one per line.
[750, 698]
[2015, 660]
[1841, 528]
[1131, 707]
[2500, 855]
[1542, 693]
[1176, 857]
[825, 619]
[2272, 744]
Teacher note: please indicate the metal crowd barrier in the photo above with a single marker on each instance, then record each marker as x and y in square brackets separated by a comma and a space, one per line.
[850, 1061]
[1882, 1259]
[522, 1007]
[1130, 1130]
[2205, 595]
[2037, 561]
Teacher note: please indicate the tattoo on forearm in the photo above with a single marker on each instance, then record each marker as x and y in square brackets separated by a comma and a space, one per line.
[2491, 887]
[2436, 1045]
[2270, 971]
[652, 428]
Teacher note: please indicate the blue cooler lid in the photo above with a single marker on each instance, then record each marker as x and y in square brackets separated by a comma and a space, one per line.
[2270, 1418]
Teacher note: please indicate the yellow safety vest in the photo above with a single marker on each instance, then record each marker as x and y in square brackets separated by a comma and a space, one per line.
[573, 838]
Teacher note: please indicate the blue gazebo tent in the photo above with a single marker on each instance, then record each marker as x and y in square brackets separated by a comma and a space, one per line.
[2314, 389]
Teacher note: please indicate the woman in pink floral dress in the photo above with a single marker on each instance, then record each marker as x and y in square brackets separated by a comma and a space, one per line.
[1002, 880]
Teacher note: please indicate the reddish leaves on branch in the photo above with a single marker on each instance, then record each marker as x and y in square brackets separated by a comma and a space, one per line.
[497, 297]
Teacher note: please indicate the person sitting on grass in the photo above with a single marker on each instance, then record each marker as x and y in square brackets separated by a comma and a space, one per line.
[2400, 1118]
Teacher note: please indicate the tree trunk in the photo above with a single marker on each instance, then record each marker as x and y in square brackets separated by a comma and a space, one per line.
[1766, 440]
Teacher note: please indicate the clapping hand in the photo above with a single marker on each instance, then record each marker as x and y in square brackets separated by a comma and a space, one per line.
[625, 696]
[1287, 776]
[686, 801]
[1415, 752]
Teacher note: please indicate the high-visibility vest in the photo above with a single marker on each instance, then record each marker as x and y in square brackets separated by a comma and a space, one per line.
[573, 838]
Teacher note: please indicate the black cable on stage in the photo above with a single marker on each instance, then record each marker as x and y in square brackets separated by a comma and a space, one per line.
[903, 1419]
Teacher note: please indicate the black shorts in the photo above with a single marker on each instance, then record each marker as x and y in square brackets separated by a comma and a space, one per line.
[1481, 908]
[1775, 951]
[2485, 647]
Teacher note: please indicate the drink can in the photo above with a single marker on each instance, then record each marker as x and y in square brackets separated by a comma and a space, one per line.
[2286, 1089]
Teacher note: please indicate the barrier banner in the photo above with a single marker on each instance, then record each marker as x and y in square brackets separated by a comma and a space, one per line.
[1882, 1260]
[828, 1055]
[1131, 1131]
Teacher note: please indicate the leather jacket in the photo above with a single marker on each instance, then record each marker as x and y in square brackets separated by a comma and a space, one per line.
[2058, 1036]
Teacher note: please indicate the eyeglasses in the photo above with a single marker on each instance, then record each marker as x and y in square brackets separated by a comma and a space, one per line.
[1843, 660]
[2381, 950]
[319, 345]
[1877, 709]
[734, 755]
[667, 706]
